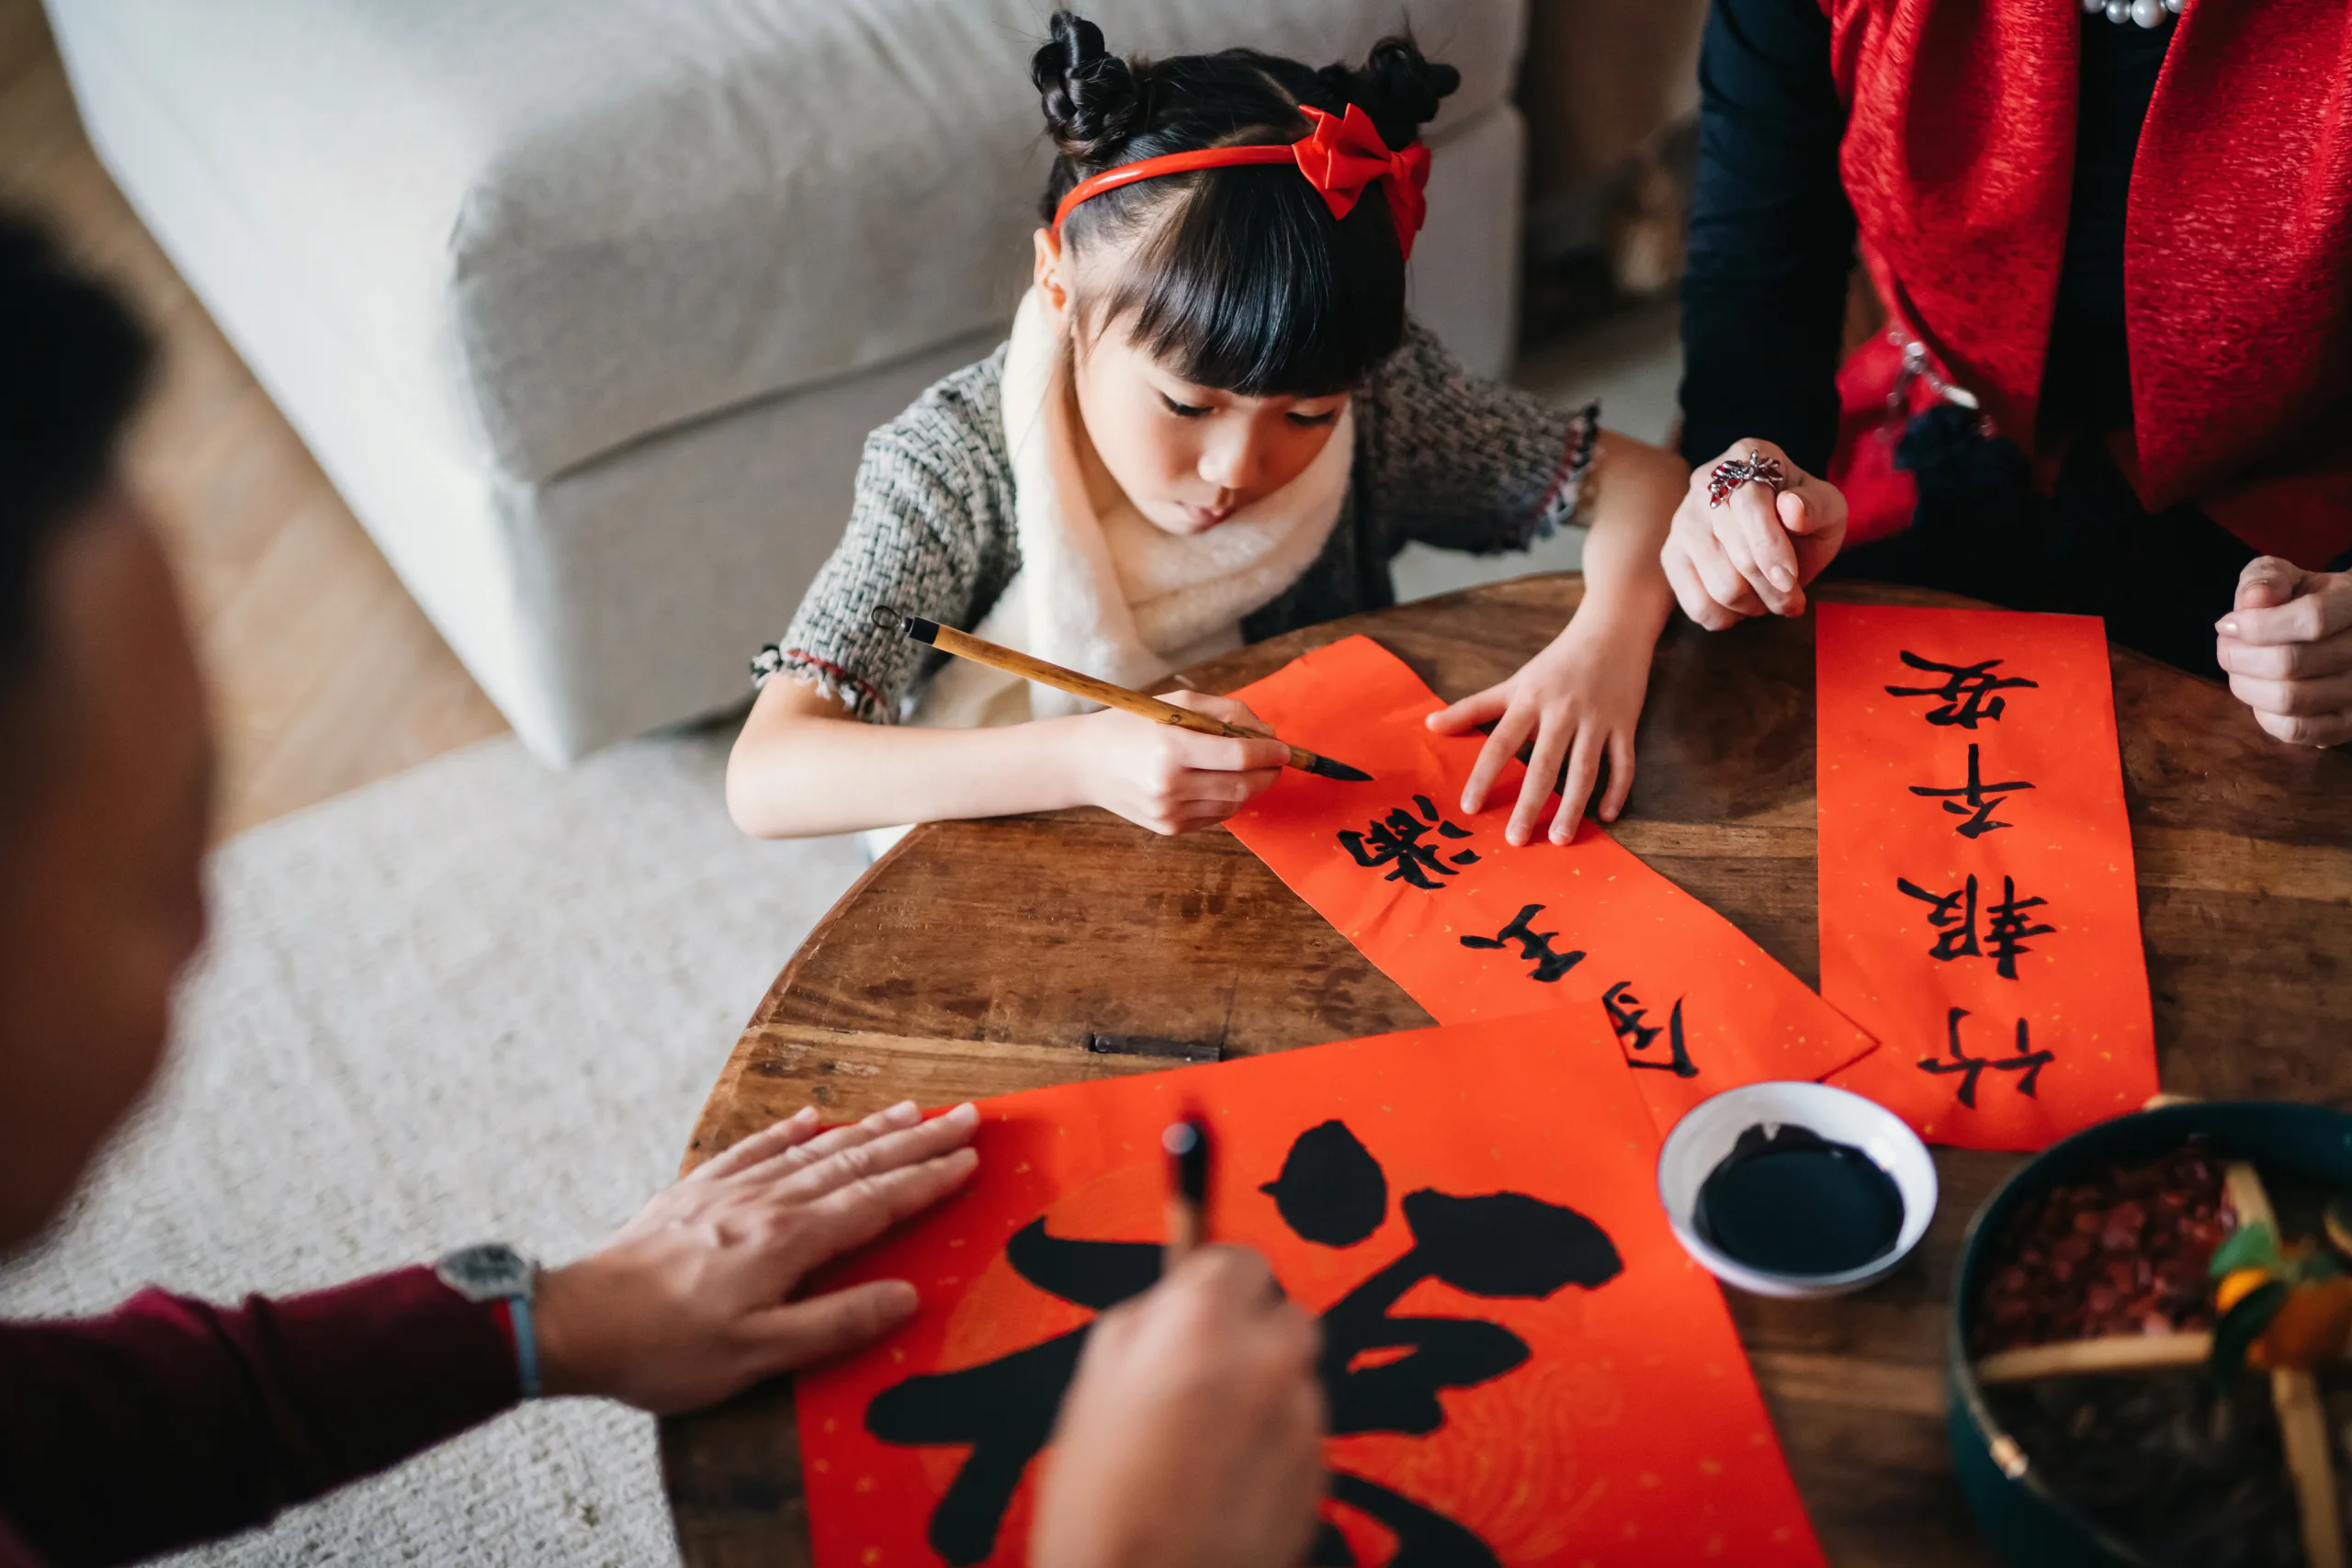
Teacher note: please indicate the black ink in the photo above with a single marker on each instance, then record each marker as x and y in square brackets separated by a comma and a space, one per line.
[1792, 1201]
[1626, 1012]
[2027, 1061]
[1533, 945]
[1394, 841]
[1332, 1192]
[1975, 800]
[2006, 926]
[1964, 692]
[1423, 1536]
[1003, 1410]
[1953, 915]
[1497, 1245]
[1953, 919]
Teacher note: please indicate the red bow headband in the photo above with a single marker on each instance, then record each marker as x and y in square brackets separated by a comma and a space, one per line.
[1340, 158]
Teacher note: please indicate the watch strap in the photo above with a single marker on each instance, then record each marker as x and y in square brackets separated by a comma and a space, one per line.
[525, 1333]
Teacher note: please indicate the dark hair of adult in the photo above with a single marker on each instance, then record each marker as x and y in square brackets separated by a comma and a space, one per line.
[73, 362]
[1243, 281]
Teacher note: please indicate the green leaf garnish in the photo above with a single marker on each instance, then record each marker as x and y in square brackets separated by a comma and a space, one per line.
[2248, 1247]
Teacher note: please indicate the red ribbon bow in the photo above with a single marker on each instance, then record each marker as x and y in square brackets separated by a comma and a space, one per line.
[1341, 156]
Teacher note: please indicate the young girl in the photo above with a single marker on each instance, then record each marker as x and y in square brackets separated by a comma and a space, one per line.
[1212, 423]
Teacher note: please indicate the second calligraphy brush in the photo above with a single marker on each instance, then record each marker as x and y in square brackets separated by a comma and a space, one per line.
[1186, 1143]
[979, 650]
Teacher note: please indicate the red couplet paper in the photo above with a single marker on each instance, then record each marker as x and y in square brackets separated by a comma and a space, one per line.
[1521, 1366]
[1978, 909]
[1472, 928]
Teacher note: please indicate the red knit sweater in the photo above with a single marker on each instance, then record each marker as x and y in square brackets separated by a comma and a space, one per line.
[170, 1422]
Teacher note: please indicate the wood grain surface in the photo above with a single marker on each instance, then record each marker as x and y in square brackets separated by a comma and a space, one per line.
[983, 957]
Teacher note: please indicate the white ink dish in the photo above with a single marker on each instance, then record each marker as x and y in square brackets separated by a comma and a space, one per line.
[1705, 1140]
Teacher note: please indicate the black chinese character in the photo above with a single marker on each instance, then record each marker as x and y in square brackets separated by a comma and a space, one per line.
[2027, 1061]
[1975, 797]
[1396, 841]
[1964, 692]
[1953, 915]
[1533, 945]
[1626, 1012]
[1332, 1192]
[1953, 919]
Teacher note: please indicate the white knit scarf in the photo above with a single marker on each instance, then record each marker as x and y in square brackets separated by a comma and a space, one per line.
[1111, 594]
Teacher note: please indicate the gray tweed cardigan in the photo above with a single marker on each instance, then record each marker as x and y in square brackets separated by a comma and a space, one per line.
[1442, 455]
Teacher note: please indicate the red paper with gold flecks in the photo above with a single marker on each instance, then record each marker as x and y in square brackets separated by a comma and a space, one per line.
[1613, 1420]
[1979, 913]
[1472, 928]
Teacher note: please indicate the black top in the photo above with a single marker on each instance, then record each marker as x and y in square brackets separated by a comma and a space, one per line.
[1772, 235]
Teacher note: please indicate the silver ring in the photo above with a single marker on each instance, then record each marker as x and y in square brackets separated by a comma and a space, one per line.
[1732, 472]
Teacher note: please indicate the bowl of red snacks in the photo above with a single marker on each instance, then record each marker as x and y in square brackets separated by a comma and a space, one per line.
[2148, 1354]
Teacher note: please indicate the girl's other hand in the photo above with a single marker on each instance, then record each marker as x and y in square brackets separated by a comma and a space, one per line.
[1579, 701]
[1756, 551]
[2287, 648]
[1166, 779]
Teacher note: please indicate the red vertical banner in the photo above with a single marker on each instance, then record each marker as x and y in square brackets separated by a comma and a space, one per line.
[1472, 928]
[1979, 913]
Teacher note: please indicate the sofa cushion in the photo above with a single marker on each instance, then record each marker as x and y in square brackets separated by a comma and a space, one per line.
[585, 224]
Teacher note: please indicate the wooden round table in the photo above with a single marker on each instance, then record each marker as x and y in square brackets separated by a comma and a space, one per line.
[980, 958]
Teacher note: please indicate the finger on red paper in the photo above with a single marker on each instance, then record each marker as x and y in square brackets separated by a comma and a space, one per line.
[1553, 737]
[1477, 708]
[1500, 752]
[1576, 786]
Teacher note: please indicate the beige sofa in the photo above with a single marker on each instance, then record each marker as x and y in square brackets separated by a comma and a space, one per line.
[587, 308]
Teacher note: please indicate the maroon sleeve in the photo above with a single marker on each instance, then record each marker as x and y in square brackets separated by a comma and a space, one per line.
[171, 1421]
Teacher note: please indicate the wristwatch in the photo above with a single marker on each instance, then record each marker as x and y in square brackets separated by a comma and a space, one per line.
[494, 1272]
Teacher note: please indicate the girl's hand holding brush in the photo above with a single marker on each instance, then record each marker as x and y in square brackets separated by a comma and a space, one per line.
[1166, 779]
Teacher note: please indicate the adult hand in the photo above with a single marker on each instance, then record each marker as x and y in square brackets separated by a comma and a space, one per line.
[1579, 699]
[1166, 779]
[2287, 646]
[1193, 1432]
[1758, 551]
[690, 1301]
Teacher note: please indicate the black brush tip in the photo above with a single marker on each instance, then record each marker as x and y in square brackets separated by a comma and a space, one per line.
[1327, 768]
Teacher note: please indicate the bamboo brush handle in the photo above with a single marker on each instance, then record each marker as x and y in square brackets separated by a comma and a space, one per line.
[979, 650]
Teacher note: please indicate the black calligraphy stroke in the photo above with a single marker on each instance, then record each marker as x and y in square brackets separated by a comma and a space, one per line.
[1534, 946]
[1394, 841]
[1626, 1012]
[1332, 1192]
[1964, 694]
[1975, 800]
[2026, 1062]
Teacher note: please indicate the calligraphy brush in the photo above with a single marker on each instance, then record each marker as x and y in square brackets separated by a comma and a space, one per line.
[1186, 1142]
[964, 645]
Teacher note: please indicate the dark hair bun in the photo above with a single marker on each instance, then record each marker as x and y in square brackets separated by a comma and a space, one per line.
[1092, 100]
[1398, 86]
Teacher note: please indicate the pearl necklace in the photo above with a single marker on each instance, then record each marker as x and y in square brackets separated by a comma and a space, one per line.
[2147, 12]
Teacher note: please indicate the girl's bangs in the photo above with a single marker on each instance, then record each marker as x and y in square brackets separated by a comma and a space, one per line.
[1252, 288]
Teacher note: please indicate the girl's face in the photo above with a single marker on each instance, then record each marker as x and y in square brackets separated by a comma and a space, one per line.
[1187, 457]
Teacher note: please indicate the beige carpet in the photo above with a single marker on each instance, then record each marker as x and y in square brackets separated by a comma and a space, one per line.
[478, 1001]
